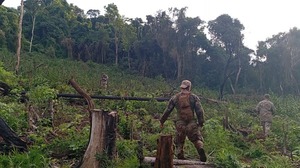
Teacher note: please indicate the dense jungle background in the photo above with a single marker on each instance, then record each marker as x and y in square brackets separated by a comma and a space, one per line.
[143, 58]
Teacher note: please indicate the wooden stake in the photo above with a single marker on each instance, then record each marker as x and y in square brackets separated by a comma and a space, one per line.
[164, 155]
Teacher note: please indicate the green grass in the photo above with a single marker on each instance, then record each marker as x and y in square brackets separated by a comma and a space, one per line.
[42, 77]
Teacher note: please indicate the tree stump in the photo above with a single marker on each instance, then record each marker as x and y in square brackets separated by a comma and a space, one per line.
[164, 155]
[102, 132]
[110, 133]
[102, 138]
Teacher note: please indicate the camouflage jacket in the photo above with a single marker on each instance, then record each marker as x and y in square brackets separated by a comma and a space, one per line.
[265, 109]
[195, 106]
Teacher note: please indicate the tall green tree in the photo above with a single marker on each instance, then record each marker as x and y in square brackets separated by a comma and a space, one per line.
[226, 32]
[93, 14]
[117, 22]
[159, 28]
[281, 52]
[9, 19]
[185, 45]
[129, 36]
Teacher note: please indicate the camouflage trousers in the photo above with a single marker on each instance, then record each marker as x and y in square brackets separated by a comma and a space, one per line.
[188, 129]
[266, 125]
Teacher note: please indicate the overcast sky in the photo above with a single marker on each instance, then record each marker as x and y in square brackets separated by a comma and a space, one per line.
[261, 18]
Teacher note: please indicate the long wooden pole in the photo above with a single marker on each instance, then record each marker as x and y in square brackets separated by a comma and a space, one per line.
[113, 97]
[159, 99]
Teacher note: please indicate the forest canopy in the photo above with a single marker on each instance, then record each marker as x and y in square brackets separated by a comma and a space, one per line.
[169, 44]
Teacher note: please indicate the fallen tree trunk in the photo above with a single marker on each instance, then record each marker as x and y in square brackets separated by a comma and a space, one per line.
[11, 139]
[159, 99]
[114, 97]
[102, 132]
[179, 162]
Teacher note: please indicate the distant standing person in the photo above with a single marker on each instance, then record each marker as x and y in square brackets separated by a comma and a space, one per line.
[186, 104]
[104, 81]
[266, 110]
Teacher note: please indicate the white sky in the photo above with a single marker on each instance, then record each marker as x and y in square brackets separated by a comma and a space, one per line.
[261, 18]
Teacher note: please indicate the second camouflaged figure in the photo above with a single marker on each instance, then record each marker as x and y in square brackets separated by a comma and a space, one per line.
[266, 110]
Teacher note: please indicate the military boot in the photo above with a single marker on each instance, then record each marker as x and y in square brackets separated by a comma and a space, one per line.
[181, 156]
[202, 155]
[179, 152]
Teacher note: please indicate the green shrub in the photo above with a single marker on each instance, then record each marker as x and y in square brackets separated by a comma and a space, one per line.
[73, 143]
[105, 161]
[42, 94]
[272, 161]
[14, 115]
[225, 159]
[131, 162]
[255, 152]
[7, 77]
[34, 158]
[216, 138]
[126, 148]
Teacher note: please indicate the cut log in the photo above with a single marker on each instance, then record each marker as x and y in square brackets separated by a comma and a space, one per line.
[178, 162]
[11, 138]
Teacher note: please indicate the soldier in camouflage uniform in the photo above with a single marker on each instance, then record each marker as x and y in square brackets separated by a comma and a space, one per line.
[266, 110]
[186, 104]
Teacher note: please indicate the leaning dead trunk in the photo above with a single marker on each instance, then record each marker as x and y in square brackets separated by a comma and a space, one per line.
[102, 133]
[32, 32]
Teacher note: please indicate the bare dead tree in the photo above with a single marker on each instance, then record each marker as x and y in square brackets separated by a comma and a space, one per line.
[19, 37]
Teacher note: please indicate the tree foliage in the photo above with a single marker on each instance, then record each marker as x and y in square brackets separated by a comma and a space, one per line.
[168, 44]
[281, 53]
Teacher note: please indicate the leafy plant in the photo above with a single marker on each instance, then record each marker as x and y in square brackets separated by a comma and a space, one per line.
[271, 161]
[225, 159]
[14, 115]
[7, 77]
[126, 148]
[42, 94]
[34, 158]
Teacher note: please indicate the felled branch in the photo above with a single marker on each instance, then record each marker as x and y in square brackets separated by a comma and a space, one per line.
[87, 97]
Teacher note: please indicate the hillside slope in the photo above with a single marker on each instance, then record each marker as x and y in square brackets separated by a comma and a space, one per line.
[62, 127]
